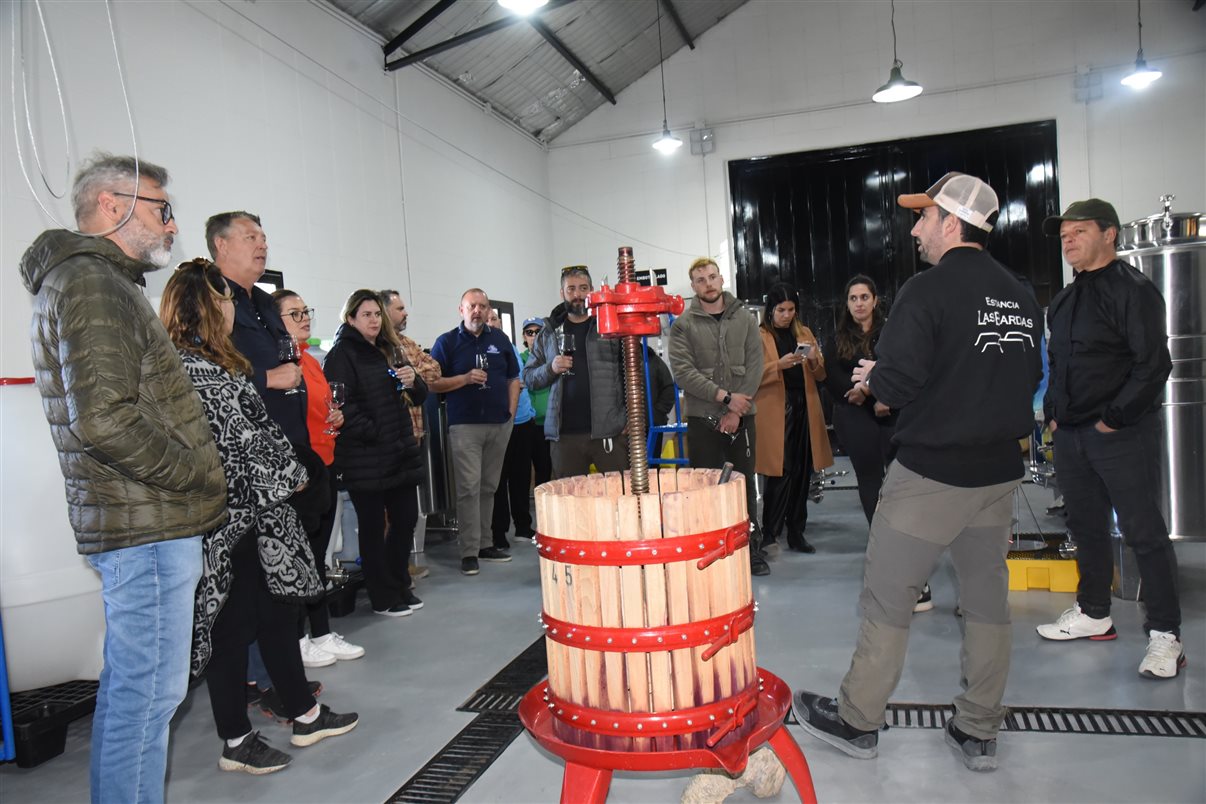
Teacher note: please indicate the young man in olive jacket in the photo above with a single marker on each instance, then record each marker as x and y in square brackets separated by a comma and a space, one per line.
[1109, 361]
[142, 472]
[716, 358]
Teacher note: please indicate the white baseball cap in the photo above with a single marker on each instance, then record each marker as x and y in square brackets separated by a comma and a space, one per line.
[964, 196]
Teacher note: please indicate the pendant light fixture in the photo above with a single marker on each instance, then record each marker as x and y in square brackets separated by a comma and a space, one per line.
[898, 87]
[522, 7]
[1142, 76]
[667, 143]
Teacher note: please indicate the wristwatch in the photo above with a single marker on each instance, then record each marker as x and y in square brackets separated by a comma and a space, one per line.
[728, 397]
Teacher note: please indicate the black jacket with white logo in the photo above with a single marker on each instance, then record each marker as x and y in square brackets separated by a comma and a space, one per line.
[959, 358]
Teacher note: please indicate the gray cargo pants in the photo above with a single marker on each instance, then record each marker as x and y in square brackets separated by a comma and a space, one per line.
[916, 521]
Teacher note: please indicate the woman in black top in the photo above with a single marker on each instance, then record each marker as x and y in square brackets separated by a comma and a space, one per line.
[377, 458]
[864, 426]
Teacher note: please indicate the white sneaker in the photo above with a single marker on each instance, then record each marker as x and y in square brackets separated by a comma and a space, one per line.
[338, 647]
[314, 656]
[1165, 656]
[1075, 624]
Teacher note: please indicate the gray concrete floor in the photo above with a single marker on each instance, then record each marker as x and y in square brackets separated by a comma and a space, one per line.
[420, 668]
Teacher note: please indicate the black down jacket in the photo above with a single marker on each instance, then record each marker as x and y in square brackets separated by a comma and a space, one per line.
[376, 448]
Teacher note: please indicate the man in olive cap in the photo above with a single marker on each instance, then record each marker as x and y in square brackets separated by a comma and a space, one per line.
[1109, 360]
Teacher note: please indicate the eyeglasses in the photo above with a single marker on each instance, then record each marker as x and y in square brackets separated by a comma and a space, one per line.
[165, 209]
[531, 332]
[302, 314]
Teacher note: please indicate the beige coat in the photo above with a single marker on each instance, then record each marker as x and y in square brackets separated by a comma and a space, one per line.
[772, 402]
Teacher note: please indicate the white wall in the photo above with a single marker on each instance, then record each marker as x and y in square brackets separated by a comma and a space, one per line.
[362, 178]
[779, 77]
[284, 109]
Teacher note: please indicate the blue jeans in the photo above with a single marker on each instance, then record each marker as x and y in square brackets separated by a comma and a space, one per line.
[148, 593]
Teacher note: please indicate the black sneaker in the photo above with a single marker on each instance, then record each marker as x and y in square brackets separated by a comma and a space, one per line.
[253, 693]
[493, 554]
[327, 724]
[977, 755]
[758, 565]
[400, 610]
[925, 602]
[412, 601]
[270, 702]
[469, 566]
[500, 542]
[819, 717]
[254, 756]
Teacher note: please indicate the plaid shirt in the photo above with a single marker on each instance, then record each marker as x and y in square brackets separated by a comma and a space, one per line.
[427, 368]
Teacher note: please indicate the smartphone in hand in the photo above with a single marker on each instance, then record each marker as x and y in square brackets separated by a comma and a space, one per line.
[803, 349]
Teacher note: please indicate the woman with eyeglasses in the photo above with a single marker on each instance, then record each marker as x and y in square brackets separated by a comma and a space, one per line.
[258, 565]
[792, 442]
[323, 646]
[377, 458]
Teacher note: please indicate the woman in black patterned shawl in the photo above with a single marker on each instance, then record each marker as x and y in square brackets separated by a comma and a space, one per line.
[258, 566]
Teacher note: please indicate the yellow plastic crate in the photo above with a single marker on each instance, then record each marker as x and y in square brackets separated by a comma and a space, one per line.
[1054, 574]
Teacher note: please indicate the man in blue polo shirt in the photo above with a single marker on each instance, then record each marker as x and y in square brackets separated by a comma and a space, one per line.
[481, 408]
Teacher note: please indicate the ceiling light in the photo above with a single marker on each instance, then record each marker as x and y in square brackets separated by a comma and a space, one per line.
[522, 7]
[1142, 76]
[898, 87]
[667, 143]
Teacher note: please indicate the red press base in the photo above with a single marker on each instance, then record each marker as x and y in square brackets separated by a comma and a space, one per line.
[588, 770]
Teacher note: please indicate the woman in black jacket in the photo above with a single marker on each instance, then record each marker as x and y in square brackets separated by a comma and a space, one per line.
[863, 425]
[377, 458]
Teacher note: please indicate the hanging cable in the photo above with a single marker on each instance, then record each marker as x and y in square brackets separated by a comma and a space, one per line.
[63, 112]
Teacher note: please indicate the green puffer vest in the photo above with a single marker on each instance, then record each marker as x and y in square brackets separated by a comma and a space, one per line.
[138, 459]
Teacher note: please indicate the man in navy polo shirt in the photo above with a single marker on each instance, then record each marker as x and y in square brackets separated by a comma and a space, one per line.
[481, 409]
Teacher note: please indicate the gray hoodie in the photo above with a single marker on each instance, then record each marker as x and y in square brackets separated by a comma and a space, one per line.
[707, 355]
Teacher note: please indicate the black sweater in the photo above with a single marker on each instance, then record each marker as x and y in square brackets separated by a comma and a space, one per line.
[376, 447]
[1109, 348]
[959, 358]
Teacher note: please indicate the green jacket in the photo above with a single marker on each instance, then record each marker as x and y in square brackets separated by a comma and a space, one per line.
[707, 355]
[137, 454]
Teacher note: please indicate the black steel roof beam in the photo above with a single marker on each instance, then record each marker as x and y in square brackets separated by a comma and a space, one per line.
[418, 25]
[672, 12]
[469, 36]
[568, 55]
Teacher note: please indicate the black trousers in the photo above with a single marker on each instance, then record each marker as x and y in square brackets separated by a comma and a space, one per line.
[250, 615]
[707, 448]
[385, 557]
[320, 538]
[1099, 472]
[867, 439]
[542, 460]
[573, 453]
[511, 496]
[785, 498]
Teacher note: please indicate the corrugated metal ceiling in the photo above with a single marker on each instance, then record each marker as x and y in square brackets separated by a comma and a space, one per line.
[519, 73]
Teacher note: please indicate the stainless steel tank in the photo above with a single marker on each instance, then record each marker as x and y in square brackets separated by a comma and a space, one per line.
[1170, 249]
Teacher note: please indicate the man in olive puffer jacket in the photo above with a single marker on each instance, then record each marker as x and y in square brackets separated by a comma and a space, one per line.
[141, 469]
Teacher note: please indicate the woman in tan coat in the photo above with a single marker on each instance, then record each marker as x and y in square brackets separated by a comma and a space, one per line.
[791, 438]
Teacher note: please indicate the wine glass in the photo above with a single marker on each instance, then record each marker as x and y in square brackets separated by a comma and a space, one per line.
[565, 346]
[339, 395]
[287, 352]
[482, 361]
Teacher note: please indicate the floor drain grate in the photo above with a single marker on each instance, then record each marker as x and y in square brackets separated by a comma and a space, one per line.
[1059, 720]
[504, 692]
[448, 774]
